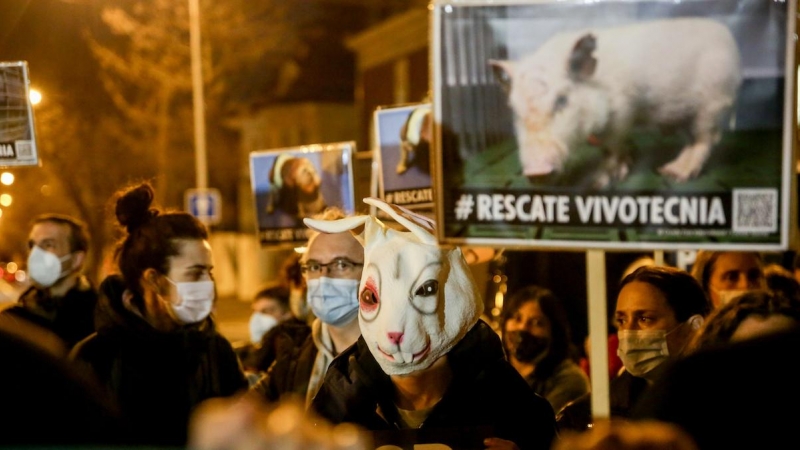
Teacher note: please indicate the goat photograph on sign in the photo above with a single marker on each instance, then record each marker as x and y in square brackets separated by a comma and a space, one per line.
[403, 136]
[290, 184]
[614, 124]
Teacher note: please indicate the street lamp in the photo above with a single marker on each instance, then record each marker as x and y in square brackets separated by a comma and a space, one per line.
[7, 178]
[35, 97]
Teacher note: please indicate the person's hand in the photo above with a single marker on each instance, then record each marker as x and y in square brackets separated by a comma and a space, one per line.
[246, 423]
[499, 444]
[627, 435]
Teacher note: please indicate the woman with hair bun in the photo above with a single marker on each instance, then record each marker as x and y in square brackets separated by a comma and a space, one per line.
[156, 349]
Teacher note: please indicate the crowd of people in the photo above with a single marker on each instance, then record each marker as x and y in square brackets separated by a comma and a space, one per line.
[375, 336]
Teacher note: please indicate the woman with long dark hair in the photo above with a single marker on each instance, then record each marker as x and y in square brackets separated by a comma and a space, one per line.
[536, 337]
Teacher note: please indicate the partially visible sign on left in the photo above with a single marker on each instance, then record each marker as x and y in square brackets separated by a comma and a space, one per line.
[17, 138]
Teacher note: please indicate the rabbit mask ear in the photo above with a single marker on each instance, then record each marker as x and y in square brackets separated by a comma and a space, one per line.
[417, 300]
[372, 226]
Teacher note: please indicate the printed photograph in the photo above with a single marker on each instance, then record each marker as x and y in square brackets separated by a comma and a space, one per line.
[290, 184]
[17, 140]
[404, 135]
[614, 124]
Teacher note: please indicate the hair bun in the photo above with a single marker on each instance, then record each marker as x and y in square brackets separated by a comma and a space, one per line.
[133, 206]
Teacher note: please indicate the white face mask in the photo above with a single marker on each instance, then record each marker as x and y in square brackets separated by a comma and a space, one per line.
[260, 323]
[333, 300]
[196, 300]
[44, 267]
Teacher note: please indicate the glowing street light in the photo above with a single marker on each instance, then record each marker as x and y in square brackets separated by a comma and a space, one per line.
[5, 199]
[35, 97]
[7, 178]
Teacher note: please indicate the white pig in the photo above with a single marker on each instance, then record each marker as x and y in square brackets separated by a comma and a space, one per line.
[594, 85]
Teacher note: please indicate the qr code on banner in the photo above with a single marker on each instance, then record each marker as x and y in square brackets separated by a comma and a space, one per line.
[24, 149]
[755, 210]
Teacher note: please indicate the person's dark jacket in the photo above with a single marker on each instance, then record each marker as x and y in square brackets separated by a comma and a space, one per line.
[46, 404]
[739, 396]
[278, 343]
[157, 378]
[70, 317]
[290, 372]
[486, 398]
[625, 391]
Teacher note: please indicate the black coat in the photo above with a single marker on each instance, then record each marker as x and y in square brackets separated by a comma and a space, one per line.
[156, 378]
[46, 404]
[70, 317]
[743, 395]
[486, 398]
[290, 372]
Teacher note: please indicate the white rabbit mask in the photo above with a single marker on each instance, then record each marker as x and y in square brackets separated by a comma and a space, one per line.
[416, 299]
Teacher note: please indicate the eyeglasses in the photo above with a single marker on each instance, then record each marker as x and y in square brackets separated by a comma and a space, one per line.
[337, 267]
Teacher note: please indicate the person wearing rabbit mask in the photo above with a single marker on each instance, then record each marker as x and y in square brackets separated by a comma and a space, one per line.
[331, 266]
[426, 369]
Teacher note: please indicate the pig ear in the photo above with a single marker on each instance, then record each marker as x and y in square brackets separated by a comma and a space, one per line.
[504, 72]
[421, 226]
[581, 62]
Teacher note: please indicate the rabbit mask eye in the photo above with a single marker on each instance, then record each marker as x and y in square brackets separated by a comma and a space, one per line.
[428, 288]
[368, 299]
[426, 297]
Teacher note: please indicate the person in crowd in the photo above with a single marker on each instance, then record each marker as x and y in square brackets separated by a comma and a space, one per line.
[726, 274]
[247, 423]
[288, 334]
[270, 308]
[47, 404]
[779, 278]
[626, 435]
[156, 350]
[739, 395]
[426, 369]
[537, 340]
[658, 311]
[752, 314]
[612, 342]
[292, 276]
[60, 300]
[331, 265]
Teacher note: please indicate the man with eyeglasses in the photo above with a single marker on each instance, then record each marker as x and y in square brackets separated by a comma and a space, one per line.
[331, 266]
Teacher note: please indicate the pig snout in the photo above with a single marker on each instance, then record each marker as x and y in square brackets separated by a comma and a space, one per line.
[541, 154]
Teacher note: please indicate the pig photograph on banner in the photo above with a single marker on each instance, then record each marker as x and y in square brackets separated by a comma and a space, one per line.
[614, 124]
[290, 184]
[403, 136]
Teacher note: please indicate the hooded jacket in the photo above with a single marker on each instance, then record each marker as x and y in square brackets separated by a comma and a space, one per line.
[486, 398]
[156, 378]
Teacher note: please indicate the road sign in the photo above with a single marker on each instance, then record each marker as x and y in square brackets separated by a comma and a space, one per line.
[205, 204]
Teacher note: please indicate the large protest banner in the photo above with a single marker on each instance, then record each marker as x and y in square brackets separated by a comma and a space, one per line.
[614, 124]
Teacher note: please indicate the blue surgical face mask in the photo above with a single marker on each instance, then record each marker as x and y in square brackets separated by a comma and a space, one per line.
[333, 300]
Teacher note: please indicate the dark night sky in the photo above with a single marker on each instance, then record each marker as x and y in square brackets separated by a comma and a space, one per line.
[46, 33]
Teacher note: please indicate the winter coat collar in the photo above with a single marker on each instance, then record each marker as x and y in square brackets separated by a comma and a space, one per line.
[112, 317]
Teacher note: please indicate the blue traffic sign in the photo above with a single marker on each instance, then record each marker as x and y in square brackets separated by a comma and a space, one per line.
[205, 204]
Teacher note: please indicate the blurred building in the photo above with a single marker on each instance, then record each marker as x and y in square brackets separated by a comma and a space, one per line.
[362, 54]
